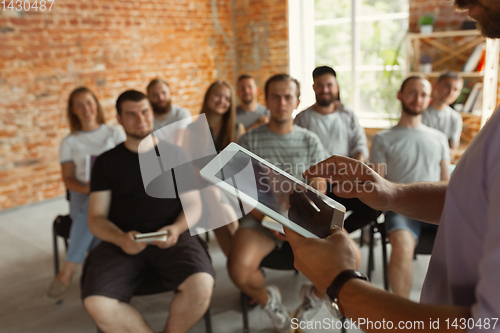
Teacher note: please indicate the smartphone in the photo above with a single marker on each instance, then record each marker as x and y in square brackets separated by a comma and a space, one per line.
[151, 237]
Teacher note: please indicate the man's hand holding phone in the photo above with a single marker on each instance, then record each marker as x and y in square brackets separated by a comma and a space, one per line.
[172, 236]
[128, 244]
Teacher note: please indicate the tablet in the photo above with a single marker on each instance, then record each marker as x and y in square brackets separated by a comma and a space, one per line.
[261, 185]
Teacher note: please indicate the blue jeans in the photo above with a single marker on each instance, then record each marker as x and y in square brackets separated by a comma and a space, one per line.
[81, 239]
[395, 221]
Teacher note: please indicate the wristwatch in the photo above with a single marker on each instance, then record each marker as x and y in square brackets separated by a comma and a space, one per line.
[332, 293]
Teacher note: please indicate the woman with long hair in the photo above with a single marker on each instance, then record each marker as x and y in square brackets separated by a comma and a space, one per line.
[219, 108]
[89, 137]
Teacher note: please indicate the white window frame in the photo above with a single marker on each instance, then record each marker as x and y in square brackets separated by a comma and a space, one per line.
[302, 49]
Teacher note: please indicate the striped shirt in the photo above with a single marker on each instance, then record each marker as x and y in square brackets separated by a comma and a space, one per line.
[294, 152]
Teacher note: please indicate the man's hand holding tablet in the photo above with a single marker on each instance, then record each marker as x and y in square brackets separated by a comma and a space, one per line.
[262, 186]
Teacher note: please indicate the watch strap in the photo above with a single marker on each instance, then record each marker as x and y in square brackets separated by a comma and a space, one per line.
[337, 284]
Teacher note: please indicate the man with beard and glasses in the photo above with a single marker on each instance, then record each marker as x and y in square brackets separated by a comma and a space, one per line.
[461, 290]
[119, 208]
[160, 97]
[409, 152]
[341, 134]
[250, 112]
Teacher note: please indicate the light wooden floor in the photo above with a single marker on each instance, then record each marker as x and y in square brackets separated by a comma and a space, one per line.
[26, 270]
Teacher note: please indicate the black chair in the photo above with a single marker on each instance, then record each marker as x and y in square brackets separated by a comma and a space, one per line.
[60, 228]
[279, 259]
[426, 241]
[380, 228]
[424, 246]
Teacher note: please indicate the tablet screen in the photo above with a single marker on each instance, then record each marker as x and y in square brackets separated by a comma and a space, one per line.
[273, 189]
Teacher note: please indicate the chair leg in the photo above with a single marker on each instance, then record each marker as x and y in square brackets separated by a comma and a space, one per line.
[384, 255]
[343, 329]
[370, 252]
[244, 311]
[56, 253]
[208, 321]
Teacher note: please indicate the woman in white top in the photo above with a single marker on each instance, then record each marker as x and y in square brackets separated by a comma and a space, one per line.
[89, 137]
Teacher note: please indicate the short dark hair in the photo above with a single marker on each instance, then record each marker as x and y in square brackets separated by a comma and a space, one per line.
[154, 82]
[410, 78]
[281, 78]
[322, 70]
[244, 77]
[449, 75]
[129, 95]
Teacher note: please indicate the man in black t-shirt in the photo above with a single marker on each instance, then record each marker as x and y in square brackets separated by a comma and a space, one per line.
[119, 208]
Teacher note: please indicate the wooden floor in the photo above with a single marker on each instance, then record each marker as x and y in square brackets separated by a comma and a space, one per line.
[26, 270]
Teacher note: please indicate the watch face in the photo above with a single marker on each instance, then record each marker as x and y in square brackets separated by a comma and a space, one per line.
[332, 307]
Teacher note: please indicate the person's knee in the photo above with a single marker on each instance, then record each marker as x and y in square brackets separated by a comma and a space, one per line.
[403, 245]
[199, 285]
[100, 307]
[202, 284]
[238, 269]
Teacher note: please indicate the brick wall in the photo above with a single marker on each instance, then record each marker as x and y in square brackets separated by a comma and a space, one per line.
[262, 39]
[110, 47]
[447, 18]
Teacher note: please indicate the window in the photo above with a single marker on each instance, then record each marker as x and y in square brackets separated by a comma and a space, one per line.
[363, 40]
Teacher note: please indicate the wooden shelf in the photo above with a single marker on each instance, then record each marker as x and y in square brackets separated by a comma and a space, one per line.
[459, 49]
[440, 34]
[437, 74]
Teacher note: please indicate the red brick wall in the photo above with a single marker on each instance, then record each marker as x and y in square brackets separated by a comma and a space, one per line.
[447, 18]
[262, 39]
[109, 47]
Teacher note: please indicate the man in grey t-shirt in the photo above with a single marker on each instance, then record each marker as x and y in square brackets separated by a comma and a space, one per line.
[440, 115]
[407, 153]
[249, 112]
[293, 149]
[160, 97]
[340, 133]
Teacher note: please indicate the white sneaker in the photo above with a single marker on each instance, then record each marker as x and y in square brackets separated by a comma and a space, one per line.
[277, 312]
[310, 305]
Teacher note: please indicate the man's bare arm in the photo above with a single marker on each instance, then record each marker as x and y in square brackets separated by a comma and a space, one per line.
[101, 227]
[445, 170]
[354, 179]
[360, 299]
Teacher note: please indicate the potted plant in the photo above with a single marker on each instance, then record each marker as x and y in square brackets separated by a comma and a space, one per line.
[426, 23]
[425, 63]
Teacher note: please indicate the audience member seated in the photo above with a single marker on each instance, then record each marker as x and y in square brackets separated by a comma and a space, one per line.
[90, 136]
[440, 115]
[160, 97]
[250, 113]
[119, 208]
[219, 109]
[341, 134]
[294, 149]
[407, 153]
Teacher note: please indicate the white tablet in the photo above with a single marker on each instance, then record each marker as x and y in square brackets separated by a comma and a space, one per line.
[265, 187]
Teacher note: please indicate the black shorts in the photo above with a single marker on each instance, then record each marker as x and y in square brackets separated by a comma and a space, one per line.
[110, 272]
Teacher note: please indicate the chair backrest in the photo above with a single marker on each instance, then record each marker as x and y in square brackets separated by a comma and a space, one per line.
[426, 241]
[62, 226]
